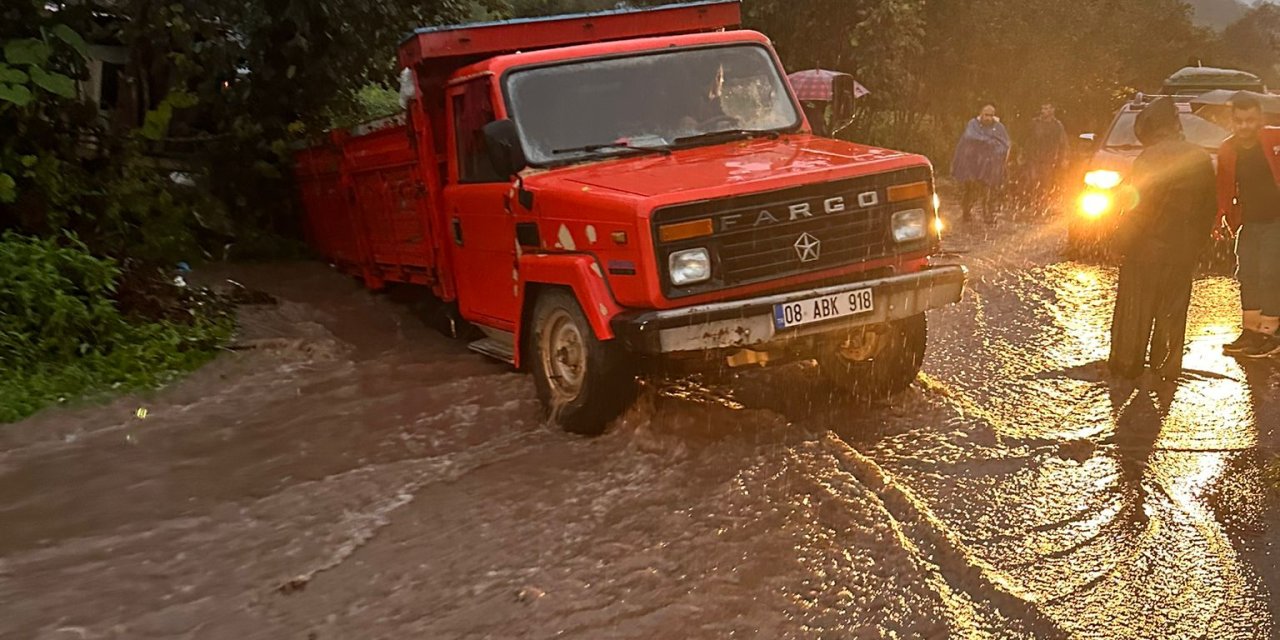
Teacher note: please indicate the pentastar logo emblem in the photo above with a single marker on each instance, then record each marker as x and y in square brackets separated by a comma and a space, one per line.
[808, 248]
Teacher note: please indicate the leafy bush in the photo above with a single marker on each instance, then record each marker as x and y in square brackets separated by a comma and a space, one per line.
[62, 334]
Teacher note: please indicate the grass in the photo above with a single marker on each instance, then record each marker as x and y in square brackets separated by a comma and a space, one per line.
[148, 356]
[75, 325]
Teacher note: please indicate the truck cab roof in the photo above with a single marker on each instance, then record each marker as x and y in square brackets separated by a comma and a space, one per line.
[437, 51]
[499, 65]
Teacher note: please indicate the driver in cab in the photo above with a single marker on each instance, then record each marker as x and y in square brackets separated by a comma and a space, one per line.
[706, 111]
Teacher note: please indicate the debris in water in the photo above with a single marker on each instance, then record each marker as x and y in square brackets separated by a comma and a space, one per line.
[294, 585]
[529, 594]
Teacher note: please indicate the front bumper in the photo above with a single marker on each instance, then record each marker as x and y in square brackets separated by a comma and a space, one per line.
[749, 323]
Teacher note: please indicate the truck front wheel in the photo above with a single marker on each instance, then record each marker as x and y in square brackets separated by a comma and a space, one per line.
[583, 382]
[876, 363]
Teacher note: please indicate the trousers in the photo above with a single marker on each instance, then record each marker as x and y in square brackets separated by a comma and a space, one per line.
[977, 190]
[1258, 250]
[1150, 317]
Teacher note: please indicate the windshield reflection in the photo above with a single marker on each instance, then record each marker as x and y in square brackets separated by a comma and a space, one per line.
[586, 109]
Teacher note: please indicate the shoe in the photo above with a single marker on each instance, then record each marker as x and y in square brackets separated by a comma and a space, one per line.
[1246, 340]
[1265, 348]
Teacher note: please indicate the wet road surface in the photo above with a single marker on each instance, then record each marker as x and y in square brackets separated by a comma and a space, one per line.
[348, 472]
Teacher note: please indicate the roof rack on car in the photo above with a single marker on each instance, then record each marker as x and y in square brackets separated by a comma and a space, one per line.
[1141, 100]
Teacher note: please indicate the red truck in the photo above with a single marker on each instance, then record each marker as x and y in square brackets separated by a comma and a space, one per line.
[604, 193]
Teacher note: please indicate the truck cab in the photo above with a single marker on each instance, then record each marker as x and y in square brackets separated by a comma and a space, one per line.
[597, 194]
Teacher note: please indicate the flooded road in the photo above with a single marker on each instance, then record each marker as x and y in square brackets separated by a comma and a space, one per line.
[347, 472]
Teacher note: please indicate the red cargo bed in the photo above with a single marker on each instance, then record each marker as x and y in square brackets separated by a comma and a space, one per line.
[367, 209]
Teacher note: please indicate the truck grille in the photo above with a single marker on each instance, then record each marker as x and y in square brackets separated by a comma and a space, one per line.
[766, 236]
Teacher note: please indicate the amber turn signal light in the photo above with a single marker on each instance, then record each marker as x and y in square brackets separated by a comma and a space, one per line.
[686, 230]
[913, 191]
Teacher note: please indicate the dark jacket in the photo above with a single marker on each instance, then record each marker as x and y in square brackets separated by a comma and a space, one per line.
[1176, 193]
[1047, 142]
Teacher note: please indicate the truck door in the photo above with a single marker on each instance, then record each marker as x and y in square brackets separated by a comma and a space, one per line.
[482, 231]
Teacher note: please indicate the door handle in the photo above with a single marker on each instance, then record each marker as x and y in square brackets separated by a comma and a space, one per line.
[457, 231]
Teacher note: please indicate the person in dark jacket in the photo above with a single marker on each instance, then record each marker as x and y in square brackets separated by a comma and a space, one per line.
[1044, 153]
[1161, 239]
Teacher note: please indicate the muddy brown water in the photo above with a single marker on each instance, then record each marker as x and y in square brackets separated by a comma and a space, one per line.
[350, 473]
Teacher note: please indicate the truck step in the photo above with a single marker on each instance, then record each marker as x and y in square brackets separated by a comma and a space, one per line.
[496, 349]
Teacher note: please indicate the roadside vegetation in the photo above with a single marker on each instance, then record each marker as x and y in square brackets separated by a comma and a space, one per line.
[135, 135]
[66, 332]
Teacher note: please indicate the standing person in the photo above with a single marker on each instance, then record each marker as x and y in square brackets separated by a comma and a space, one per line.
[980, 160]
[1161, 240]
[1045, 152]
[1249, 200]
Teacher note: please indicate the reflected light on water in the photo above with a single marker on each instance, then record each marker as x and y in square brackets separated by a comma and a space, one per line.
[1085, 299]
[1213, 407]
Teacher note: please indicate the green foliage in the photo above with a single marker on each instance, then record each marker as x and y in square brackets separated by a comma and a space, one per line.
[73, 39]
[62, 334]
[1253, 43]
[26, 67]
[1218, 13]
[27, 51]
[369, 102]
[929, 62]
[157, 121]
[8, 188]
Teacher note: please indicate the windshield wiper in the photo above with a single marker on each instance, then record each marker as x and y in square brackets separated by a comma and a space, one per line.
[726, 134]
[1123, 147]
[614, 146]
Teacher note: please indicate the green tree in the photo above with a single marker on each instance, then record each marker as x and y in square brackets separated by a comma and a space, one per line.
[1253, 43]
[1084, 56]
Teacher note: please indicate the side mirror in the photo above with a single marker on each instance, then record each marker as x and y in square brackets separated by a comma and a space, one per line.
[502, 143]
[843, 105]
[1089, 137]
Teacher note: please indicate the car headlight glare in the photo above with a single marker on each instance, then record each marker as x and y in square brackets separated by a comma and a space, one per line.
[1102, 179]
[1093, 204]
[690, 266]
[910, 225]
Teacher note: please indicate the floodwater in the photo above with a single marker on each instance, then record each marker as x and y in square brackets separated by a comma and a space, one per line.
[347, 472]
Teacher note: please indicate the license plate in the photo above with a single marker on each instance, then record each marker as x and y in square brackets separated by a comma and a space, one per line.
[822, 308]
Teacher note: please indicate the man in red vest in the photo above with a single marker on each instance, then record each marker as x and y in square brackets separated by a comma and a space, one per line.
[1249, 204]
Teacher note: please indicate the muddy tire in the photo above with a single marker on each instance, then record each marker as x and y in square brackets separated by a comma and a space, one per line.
[582, 382]
[898, 356]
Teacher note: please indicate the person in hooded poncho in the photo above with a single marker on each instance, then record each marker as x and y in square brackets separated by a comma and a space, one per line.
[980, 160]
[1161, 239]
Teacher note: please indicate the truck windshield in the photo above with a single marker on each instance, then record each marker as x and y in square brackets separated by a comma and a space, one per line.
[569, 112]
[1196, 129]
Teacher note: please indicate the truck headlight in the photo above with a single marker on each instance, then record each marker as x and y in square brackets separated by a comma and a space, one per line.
[1102, 179]
[690, 266]
[910, 225]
